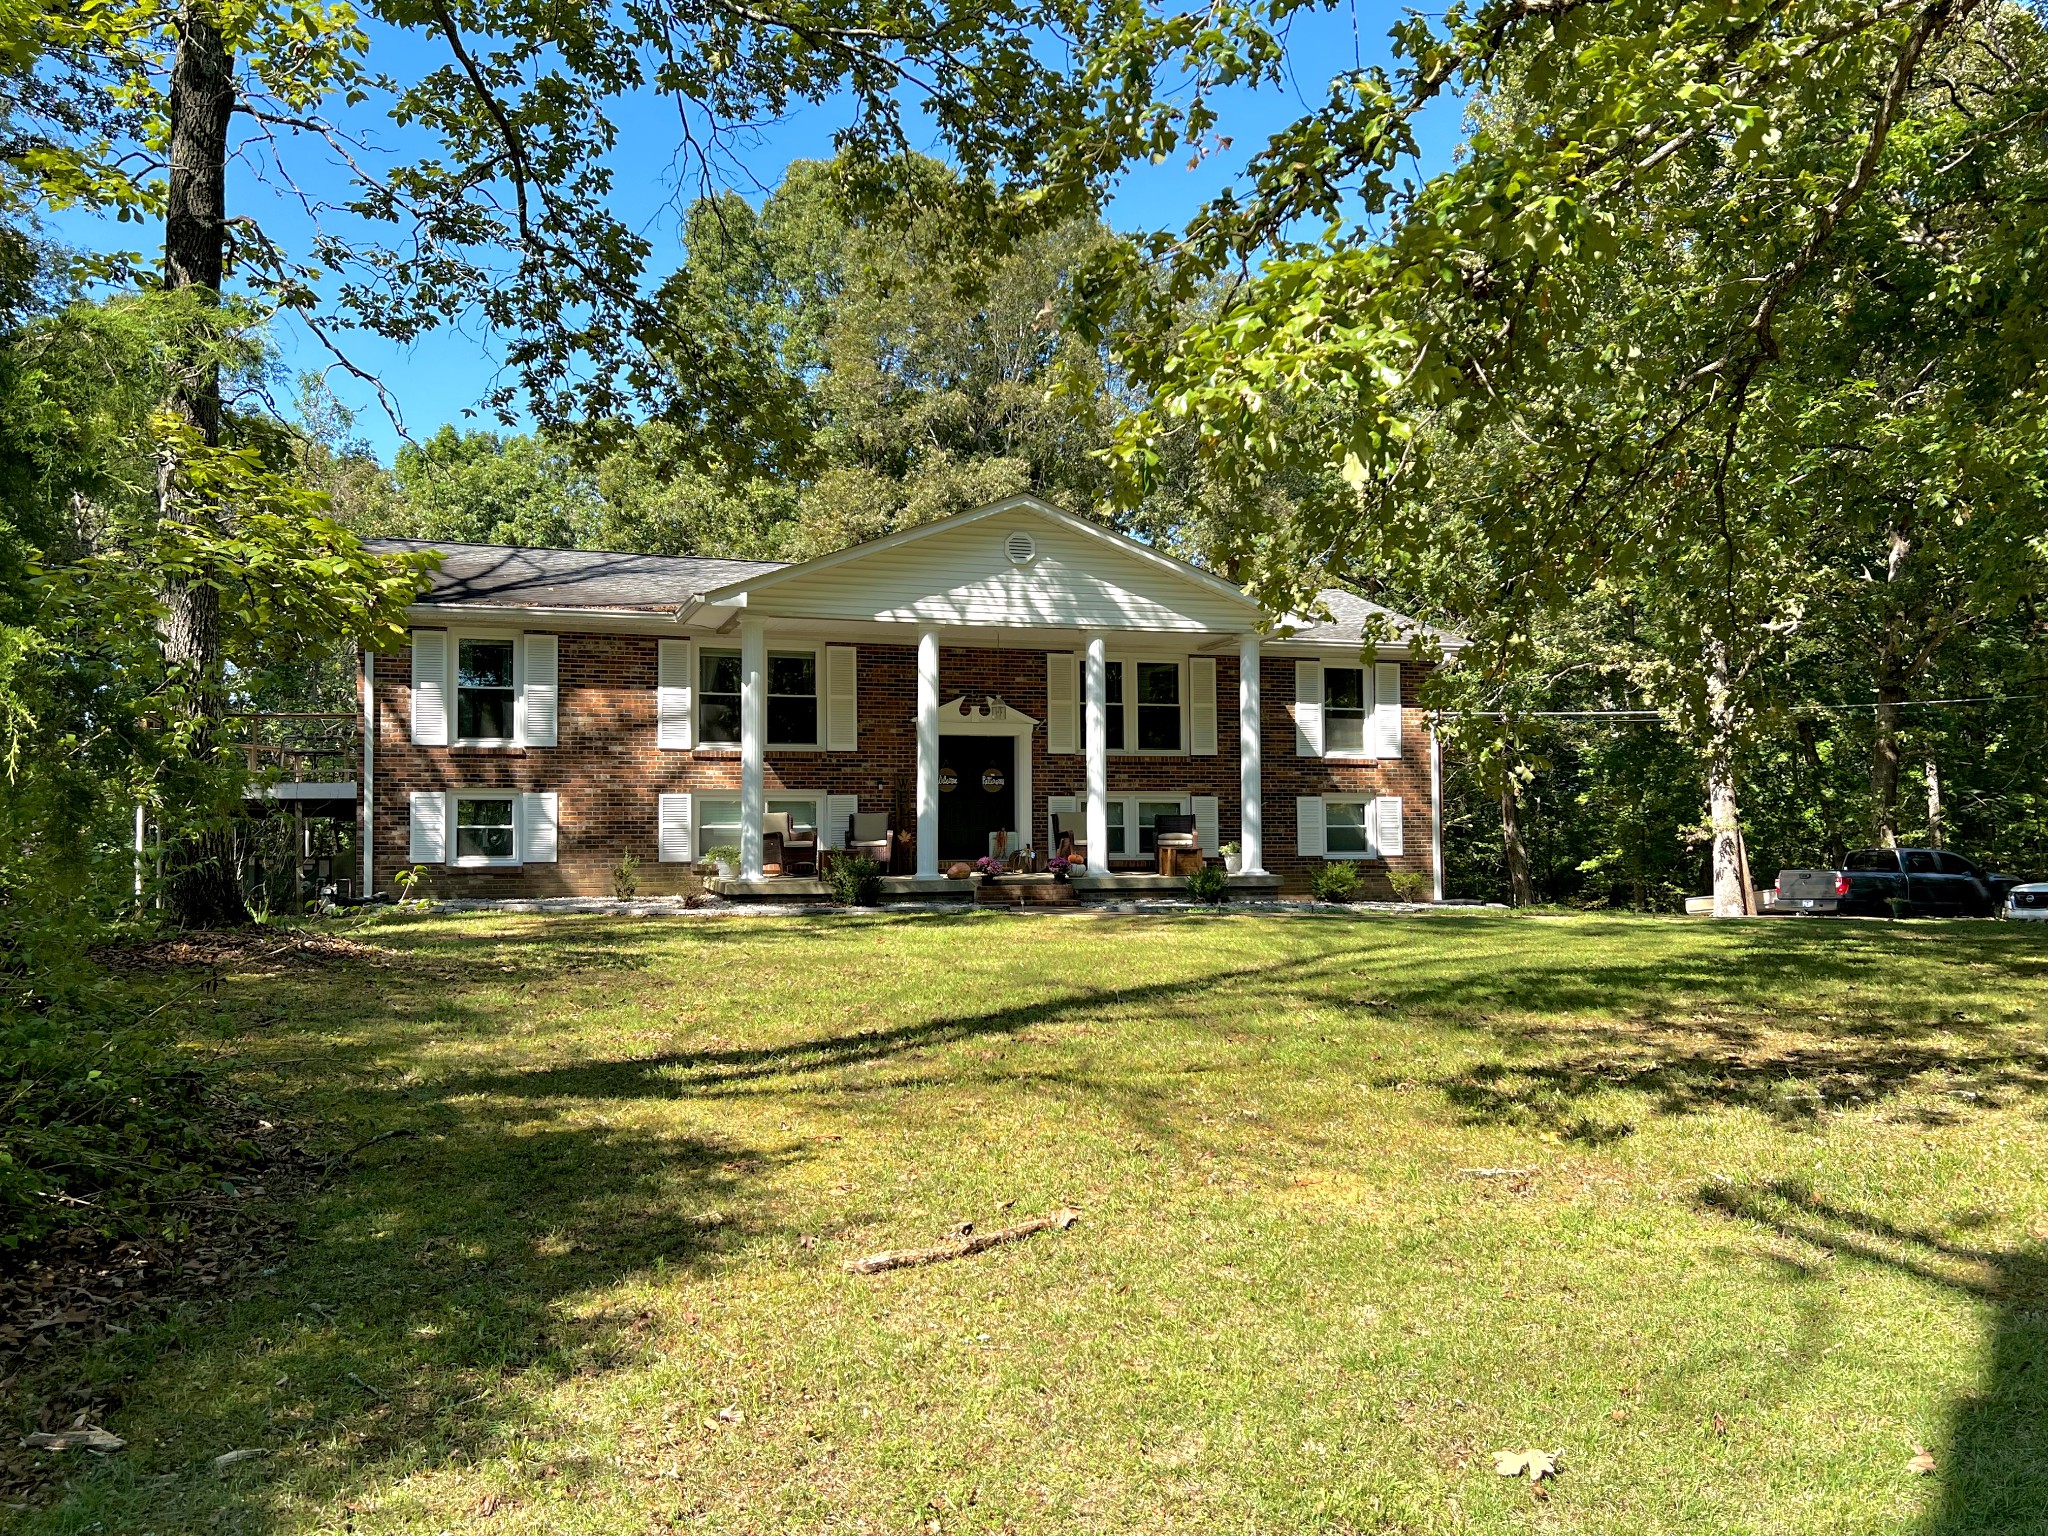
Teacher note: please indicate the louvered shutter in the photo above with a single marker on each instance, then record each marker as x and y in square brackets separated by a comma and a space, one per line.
[672, 697]
[430, 687]
[1062, 733]
[842, 699]
[1308, 826]
[538, 833]
[1386, 825]
[1308, 709]
[539, 694]
[672, 843]
[839, 811]
[1202, 708]
[429, 839]
[1209, 823]
[1386, 708]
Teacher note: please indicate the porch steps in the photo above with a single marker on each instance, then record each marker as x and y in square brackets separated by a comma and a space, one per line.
[1025, 891]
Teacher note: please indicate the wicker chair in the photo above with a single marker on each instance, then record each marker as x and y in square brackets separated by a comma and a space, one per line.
[1173, 837]
[795, 846]
[867, 832]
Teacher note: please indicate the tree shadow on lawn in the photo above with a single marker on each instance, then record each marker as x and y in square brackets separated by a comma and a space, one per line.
[440, 1291]
[1993, 1472]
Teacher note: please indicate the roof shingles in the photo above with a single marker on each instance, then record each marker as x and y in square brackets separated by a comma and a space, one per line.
[500, 576]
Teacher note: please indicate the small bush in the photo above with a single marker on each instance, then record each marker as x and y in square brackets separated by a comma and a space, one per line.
[724, 853]
[1208, 884]
[1335, 882]
[1411, 884]
[626, 877]
[855, 882]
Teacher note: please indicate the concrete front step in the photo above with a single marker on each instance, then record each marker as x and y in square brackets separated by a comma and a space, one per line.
[1003, 890]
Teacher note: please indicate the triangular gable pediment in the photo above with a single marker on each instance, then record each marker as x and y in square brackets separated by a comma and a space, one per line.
[1019, 563]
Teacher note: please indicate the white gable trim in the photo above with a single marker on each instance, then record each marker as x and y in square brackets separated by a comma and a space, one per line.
[737, 593]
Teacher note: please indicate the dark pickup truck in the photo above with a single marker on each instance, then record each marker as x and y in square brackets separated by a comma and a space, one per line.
[1894, 882]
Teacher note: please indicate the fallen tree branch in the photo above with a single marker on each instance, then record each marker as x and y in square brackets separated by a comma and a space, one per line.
[1498, 1173]
[969, 1241]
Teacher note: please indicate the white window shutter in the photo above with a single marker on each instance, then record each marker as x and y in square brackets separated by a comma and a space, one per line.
[430, 687]
[1062, 733]
[1308, 709]
[538, 828]
[839, 811]
[1386, 826]
[672, 696]
[1209, 823]
[1386, 708]
[672, 845]
[429, 828]
[539, 694]
[842, 698]
[1059, 805]
[1308, 826]
[1202, 708]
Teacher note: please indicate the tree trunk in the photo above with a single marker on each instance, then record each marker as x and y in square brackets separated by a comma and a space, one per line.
[1934, 828]
[1521, 888]
[1724, 820]
[201, 887]
[1884, 765]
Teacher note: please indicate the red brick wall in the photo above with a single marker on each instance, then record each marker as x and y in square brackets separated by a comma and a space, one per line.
[607, 771]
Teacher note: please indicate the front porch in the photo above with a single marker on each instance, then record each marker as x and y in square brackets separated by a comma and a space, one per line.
[1005, 890]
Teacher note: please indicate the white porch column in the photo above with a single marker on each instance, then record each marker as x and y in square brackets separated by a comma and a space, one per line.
[927, 754]
[1251, 827]
[1096, 693]
[753, 742]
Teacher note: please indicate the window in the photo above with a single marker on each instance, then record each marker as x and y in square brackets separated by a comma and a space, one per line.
[1116, 828]
[1132, 823]
[1158, 706]
[718, 821]
[1347, 827]
[1149, 812]
[1874, 861]
[1113, 708]
[1345, 709]
[1954, 863]
[718, 697]
[483, 830]
[483, 691]
[793, 698]
[1920, 862]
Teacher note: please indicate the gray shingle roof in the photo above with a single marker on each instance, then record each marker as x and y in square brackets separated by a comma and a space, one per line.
[499, 575]
[1348, 615]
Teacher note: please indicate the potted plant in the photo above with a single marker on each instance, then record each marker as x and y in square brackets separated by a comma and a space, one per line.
[989, 866]
[1059, 867]
[725, 859]
[1230, 852]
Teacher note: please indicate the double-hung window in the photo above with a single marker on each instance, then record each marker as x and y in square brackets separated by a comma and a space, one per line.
[484, 692]
[484, 829]
[1346, 708]
[717, 820]
[1347, 827]
[1133, 824]
[792, 698]
[1142, 707]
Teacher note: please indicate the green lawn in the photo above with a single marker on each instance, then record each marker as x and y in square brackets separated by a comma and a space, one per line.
[1788, 1220]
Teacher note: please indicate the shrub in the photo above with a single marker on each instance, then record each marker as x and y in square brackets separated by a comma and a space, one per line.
[722, 854]
[1411, 884]
[626, 877]
[1208, 884]
[1335, 882]
[855, 882]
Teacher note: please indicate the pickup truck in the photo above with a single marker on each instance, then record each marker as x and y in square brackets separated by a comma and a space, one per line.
[1894, 882]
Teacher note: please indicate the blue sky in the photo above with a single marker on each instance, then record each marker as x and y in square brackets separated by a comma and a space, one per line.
[442, 376]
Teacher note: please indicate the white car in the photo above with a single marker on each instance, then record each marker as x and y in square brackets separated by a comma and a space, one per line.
[2028, 901]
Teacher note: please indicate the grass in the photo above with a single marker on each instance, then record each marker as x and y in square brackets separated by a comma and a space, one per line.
[1788, 1220]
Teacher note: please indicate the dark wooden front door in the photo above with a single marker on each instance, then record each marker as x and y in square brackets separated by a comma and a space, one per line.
[977, 793]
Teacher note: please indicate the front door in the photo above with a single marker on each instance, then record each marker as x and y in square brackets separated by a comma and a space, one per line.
[977, 793]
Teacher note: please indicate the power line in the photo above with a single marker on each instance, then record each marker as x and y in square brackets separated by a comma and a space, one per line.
[1797, 709]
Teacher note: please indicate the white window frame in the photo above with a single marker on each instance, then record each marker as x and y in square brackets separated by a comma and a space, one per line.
[699, 824]
[1369, 805]
[731, 748]
[1128, 803]
[456, 637]
[1368, 747]
[455, 858]
[1129, 660]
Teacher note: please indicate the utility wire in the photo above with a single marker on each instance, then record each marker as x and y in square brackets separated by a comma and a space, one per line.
[1797, 709]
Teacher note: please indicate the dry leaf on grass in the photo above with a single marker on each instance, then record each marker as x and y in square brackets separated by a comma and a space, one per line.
[74, 1440]
[1921, 1461]
[1535, 1465]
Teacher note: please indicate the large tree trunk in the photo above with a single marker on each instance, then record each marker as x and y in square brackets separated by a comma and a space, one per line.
[1732, 896]
[1521, 888]
[201, 887]
[1934, 827]
[1884, 765]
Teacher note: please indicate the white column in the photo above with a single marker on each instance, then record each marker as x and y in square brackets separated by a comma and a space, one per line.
[927, 754]
[1436, 813]
[1251, 826]
[1096, 693]
[753, 742]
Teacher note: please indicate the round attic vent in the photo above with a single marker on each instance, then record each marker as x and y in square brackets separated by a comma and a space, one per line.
[1020, 549]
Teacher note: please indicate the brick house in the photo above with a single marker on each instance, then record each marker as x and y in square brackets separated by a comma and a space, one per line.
[557, 709]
